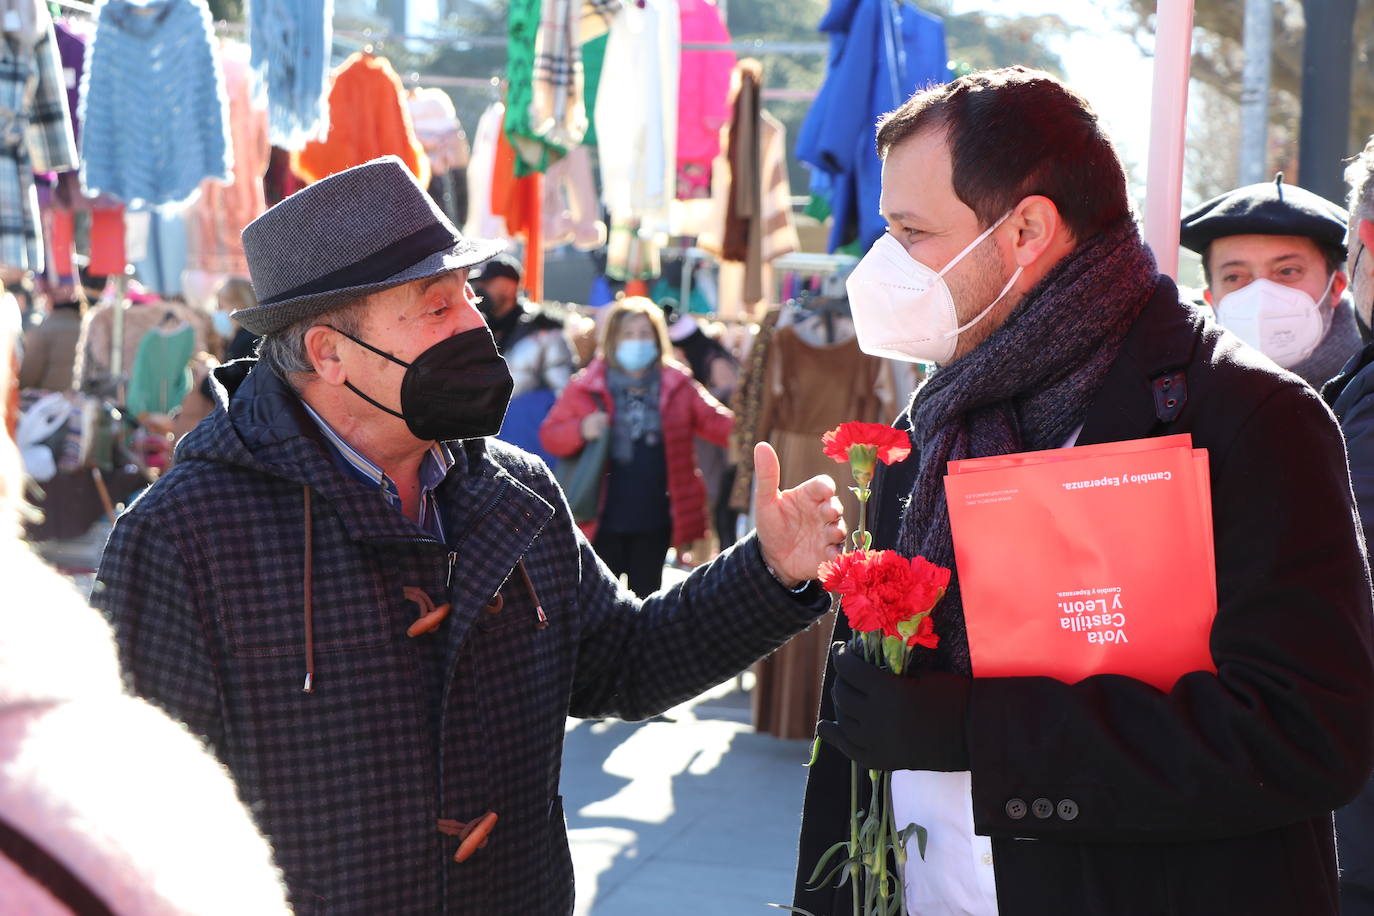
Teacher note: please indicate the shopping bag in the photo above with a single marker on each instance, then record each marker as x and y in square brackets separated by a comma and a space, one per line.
[580, 476]
[1088, 560]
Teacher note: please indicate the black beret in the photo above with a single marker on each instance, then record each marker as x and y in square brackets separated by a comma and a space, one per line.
[1268, 208]
[503, 265]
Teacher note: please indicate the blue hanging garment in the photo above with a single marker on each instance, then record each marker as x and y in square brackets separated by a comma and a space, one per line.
[153, 104]
[290, 42]
[881, 51]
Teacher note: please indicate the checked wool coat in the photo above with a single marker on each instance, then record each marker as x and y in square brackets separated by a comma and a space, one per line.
[203, 579]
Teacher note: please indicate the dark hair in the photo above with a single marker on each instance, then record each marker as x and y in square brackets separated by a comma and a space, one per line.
[1016, 132]
[1331, 254]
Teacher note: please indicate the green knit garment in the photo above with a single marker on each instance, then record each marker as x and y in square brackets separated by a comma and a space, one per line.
[161, 375]
[593, 56]
[522, 24]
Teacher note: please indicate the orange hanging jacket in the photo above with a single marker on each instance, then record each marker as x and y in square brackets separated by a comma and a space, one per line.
[368, 118]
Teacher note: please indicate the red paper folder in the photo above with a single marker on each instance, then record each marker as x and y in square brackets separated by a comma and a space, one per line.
[1090, 560]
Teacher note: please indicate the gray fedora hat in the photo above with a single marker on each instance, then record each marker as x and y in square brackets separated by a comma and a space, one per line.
[361, 230]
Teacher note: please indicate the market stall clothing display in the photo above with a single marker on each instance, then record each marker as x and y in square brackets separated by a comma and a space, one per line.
[35, 134]
[881, 51]
[104, 234]
[216, 220]
[522, 29]
[153, 108]
[50, 350]
[73, 37]
[570, 208]
[445, 142]
[596, 17]
[703, 103]
[519, 201]
[160, 256]
[556, 114]
[93, 353]
[593, 56]
[751, 221]
[369, 118]
[22, 20]
[808, 390]
[161, 373]
[481, 222]
[281, 181]
[639, 77]
[290, 42]
[438, 129]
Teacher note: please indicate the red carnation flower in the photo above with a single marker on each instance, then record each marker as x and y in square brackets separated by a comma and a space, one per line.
[925, 634]
[881, 589]
[878, 441]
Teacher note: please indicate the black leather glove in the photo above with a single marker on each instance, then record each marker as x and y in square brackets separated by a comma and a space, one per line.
[887, 721]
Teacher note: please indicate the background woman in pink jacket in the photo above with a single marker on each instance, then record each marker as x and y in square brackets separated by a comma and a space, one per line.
[653, 495]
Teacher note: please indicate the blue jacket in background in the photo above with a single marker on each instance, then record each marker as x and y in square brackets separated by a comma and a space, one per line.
[867, 75]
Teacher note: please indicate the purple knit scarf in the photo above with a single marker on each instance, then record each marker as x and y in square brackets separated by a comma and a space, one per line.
[1027, 387]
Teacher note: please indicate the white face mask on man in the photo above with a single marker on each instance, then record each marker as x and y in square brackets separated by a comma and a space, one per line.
[903, 309]
[1282, 322]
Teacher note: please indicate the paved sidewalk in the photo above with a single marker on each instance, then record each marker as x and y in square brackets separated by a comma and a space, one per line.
[689, 814]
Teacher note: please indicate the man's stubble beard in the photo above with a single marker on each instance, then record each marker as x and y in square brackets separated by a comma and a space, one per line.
[981, 279]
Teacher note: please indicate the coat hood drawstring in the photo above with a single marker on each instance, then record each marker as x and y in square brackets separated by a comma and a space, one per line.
[309, 599]
[431, 615]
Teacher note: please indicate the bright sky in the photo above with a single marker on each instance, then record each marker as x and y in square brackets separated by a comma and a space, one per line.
[1102, 62]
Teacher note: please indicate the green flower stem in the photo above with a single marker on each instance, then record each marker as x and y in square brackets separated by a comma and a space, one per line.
[884, 826]
[854, 832]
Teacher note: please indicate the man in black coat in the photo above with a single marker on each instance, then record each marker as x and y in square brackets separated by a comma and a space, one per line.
[1013, 263]
[1351, 396]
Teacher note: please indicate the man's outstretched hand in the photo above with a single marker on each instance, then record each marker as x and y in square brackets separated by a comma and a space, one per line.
[799, 529]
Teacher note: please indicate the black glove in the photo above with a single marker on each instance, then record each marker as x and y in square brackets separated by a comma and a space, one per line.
[886, 721]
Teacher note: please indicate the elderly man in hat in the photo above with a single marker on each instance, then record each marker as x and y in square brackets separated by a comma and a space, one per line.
[377, 616]
[1273, 256]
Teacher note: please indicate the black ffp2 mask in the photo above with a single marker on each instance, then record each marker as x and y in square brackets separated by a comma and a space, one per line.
[457, 389]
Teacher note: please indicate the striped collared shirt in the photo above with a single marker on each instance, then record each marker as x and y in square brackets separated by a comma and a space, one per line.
[433, 469]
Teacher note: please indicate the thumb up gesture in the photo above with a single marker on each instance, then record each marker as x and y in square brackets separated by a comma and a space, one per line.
[799, 529]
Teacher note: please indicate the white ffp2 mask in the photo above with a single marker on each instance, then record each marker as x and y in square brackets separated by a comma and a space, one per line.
[1282, 322]
[903, 309]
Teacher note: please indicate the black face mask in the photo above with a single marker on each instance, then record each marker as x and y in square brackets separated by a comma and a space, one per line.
[457, 389]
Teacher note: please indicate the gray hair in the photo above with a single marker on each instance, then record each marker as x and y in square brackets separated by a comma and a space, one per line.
[1360, 175]
[284, 351]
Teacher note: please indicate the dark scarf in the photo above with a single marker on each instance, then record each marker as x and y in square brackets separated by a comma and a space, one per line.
[1027, 387]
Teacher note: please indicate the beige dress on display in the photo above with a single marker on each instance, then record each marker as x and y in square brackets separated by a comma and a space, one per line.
[811, 388]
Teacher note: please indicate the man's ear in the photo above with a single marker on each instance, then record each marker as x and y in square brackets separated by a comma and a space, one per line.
[1339, 284]
[1365, 230]
[1038, 228]
[322, 346]
[1207, 296]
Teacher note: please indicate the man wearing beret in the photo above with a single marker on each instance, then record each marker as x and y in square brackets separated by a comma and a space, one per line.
[1273, 256]
[379, 617]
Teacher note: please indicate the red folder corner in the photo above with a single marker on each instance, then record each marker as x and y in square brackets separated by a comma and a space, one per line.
[1089, 560]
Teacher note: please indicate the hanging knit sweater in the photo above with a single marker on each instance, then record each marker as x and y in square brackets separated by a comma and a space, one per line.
[153, 103]
[291, 41]
[376, 122]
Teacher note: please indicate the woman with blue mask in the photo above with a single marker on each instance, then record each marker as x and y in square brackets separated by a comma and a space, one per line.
[653, 496]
